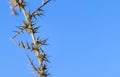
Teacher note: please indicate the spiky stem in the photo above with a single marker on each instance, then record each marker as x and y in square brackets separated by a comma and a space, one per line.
[37, 43]
[32, 35]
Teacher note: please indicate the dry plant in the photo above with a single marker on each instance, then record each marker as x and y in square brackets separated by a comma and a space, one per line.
[29, 27]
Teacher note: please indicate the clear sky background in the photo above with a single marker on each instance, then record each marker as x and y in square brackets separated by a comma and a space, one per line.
[84, 39]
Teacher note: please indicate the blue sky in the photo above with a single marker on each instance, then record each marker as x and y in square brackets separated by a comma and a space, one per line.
[84, 39]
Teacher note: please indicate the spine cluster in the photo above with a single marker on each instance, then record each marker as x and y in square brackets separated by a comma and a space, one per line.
[29, 27]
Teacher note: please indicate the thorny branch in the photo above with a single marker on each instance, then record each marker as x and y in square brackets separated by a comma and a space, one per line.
[29, 27]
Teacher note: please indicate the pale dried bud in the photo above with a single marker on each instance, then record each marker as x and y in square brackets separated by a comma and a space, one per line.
[14, 2]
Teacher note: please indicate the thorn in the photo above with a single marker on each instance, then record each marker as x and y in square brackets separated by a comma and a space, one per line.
[28, 47]
[19, 44]
[22, 44]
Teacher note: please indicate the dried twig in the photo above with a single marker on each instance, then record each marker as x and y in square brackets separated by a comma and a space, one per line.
[29, 27]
